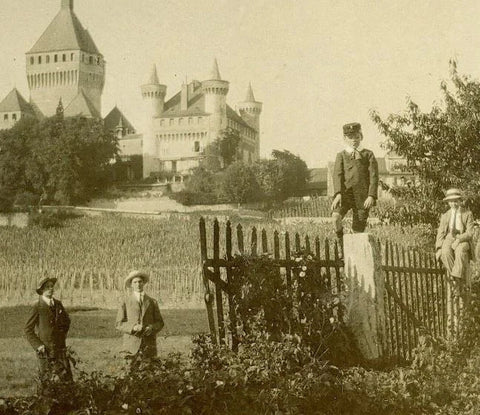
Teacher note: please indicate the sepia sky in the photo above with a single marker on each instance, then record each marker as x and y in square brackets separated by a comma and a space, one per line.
[315, 64]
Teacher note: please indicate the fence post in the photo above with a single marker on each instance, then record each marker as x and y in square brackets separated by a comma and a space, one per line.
[365, 294]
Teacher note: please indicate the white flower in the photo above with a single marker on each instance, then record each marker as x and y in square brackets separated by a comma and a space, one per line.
[304, 268]
[125, 406]
[332, 320]
[302, 274]
[220, 383]
[298, 259]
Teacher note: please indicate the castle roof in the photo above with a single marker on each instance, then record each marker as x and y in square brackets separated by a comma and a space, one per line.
[195, 106]
[153, 80]
[15, 102]
[215, 73]
[231, 113]
[65, 32]
[81, 106]
[250, 97]
[116, 118]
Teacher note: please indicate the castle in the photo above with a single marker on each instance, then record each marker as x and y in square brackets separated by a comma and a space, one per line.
[65, 65]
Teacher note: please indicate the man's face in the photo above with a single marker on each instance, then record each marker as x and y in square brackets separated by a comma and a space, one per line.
[353, 140]
[137, 284]
[454, 204]
[48, 289]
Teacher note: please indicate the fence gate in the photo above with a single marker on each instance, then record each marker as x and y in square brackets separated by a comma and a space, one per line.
[217, 266]
[417, 299]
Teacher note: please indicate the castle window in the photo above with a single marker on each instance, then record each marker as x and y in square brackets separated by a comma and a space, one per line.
[83, 57]
[5, 117]
[55, 58]
[190, 120]
[64, 57]
[71, 56]
[98, 60]
[196, 146]
[14, 117]
[39, 59]
[32, 61]
[171, 121]
[90, 60]
[47, 58]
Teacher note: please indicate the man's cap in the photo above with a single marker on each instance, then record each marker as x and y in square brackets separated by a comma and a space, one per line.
[134, 274]
[352, 128]
[42, 282]
[452, 194]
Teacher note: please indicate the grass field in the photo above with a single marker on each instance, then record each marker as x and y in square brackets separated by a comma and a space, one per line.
[93, 338]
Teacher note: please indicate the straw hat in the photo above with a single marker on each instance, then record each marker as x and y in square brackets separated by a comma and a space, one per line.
[452, 194]
[39, 289]
[135, 274]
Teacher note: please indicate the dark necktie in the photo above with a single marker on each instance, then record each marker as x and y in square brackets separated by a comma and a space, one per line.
[356, 155]
[454, 223]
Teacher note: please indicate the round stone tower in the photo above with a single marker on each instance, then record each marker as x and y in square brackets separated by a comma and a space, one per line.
[215, 91]
[153, 94]
[250, 111]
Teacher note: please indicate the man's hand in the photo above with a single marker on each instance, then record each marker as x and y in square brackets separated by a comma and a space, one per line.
[137, 327]
[337, 201]
[41, 349]
[148, 331]
[369, 202]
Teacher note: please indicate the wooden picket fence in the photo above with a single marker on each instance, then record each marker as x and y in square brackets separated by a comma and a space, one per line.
[418, 299]
[218, 266]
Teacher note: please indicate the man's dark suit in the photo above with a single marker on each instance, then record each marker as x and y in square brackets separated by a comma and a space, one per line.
[355, 177]
[129, 314]
[48, 326]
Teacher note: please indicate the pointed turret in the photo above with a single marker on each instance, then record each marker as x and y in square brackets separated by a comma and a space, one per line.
[250, 111]
[154, 76]
[59, 111]
[215, 73]
[153, 94]
[250, 97]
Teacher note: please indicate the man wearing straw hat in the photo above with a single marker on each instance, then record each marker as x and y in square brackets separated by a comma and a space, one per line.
[139, 318]
[454, 237]
[46, 330]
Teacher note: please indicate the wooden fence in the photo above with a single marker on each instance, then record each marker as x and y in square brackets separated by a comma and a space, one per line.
[217, 267]
[416, 298]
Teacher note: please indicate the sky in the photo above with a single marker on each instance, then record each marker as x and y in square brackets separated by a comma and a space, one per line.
[315, 64]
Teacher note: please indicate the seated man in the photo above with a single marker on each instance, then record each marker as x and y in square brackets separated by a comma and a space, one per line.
[454, 236]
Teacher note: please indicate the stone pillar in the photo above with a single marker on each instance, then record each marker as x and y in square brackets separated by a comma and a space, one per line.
[365, 296]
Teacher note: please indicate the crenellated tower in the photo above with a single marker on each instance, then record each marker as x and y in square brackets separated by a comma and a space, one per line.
[65, 63]
[215, 91]
[153, 94]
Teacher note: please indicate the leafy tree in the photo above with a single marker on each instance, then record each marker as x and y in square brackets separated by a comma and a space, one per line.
[281, 177]
[222, 152]
[63, 160]
[442, 147]
[239, 183]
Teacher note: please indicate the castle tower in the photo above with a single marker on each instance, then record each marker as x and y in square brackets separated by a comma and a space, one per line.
[64, 62]
[250, 111]
[215, 91]
[153, 94]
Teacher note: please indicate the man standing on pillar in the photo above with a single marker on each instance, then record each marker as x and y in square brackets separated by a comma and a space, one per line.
[355, 182]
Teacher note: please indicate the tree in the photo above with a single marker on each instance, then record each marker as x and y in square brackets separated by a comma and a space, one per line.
[63, 160]
[281, 177]
[442, 147]
[239, 183]
[222, 152]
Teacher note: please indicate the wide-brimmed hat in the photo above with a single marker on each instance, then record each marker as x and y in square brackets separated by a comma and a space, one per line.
[135, 274]
[42, 282]
[452, 194]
